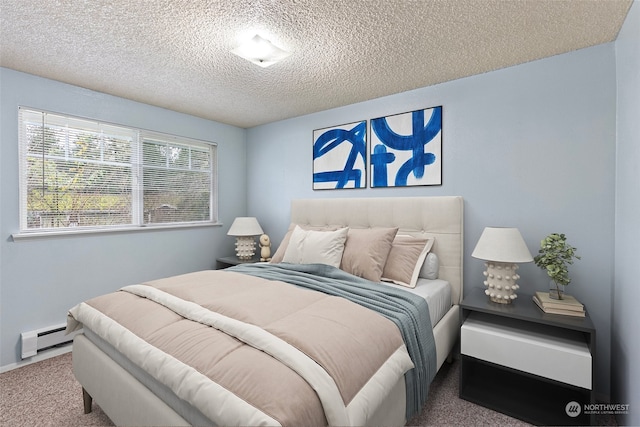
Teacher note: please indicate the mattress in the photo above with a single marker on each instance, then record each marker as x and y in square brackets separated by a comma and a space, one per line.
[436, 292]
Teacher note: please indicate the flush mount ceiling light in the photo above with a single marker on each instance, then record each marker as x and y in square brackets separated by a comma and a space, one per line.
[260, 51]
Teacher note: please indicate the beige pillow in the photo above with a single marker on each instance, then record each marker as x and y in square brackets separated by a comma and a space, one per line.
[366, 251]
[277, 257]
[316, 247]
[405, 260]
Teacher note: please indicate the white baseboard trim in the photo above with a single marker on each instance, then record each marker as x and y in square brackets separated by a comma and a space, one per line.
[46, 354]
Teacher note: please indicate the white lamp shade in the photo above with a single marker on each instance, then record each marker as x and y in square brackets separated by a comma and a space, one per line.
[502, 244]
[245, 226]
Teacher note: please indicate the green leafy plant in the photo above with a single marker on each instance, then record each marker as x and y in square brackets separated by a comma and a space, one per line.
[554, 256]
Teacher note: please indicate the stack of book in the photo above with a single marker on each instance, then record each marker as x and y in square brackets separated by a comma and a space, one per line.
[568, 305]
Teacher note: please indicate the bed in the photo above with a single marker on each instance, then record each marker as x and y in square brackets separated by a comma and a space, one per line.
[132, 385]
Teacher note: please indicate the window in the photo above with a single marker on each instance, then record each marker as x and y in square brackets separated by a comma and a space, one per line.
[77, 173]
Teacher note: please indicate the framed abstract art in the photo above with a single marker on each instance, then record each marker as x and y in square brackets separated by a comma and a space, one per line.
[339, 156]
[406, 149]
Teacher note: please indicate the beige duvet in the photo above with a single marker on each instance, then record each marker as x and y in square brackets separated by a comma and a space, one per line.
[249, 351]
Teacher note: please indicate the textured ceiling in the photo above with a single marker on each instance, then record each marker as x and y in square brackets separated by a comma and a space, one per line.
[176, 54]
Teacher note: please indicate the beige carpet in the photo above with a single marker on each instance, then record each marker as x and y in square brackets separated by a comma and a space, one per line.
[47, 394]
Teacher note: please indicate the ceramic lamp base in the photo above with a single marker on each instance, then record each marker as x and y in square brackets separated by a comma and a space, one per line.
[245, 247]
[500, 281]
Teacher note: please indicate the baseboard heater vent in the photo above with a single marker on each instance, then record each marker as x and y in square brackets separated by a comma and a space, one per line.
[34, 342]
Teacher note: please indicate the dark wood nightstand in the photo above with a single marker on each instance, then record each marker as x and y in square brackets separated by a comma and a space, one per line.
[229, 261]
[525, 363]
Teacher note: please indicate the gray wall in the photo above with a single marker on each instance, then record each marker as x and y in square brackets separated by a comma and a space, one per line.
[531, 146]
[41, 279]
[625, 337]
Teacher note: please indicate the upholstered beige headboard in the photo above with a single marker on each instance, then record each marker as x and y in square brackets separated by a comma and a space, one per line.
[438, 217]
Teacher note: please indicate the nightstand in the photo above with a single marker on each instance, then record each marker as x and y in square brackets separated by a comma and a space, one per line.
[530, 365]
[229, 261]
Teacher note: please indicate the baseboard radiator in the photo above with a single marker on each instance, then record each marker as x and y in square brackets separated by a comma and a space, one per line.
[39, 340]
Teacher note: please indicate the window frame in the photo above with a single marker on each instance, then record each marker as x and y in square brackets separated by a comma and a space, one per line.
[137, 185]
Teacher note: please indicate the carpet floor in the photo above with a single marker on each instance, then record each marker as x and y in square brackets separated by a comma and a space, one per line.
[47, 394]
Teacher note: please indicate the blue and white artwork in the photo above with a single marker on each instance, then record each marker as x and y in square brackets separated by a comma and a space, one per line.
[406, 149]
[339, 156]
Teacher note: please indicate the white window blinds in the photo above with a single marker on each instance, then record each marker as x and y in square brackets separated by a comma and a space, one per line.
[82, 173]
[176, 176]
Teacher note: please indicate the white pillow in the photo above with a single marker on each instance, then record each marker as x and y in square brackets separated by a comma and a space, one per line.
[316, 247]
[277, 257]
[431, 267]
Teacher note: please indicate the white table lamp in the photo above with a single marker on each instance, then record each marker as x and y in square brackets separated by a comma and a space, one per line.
[245, 229]
[502, 248]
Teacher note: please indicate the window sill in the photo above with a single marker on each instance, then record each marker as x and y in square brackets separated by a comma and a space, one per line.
[29, 235]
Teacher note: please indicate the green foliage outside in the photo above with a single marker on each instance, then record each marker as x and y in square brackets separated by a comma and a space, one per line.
[85, 179]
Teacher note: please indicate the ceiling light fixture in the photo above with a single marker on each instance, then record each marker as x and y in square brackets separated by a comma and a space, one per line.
[260, 51]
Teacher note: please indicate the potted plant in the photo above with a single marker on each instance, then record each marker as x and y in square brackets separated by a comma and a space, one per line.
[554, 256]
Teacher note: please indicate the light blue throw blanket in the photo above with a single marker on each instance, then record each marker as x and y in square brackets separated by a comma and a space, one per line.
[408, 311]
